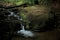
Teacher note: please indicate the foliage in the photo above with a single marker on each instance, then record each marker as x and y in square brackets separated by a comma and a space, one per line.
[25, 20]
[23, 15]
[19, 2]
[32, 2]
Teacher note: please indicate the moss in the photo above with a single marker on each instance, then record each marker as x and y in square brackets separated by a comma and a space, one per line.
[36, 16]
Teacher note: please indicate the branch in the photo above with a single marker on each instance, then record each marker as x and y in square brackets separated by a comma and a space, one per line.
[9, 7]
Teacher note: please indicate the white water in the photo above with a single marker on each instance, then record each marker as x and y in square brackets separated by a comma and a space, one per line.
[25, 33]
[12, 14]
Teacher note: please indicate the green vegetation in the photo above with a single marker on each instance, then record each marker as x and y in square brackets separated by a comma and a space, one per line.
[33, 2]
[39, 15]
[33, 11]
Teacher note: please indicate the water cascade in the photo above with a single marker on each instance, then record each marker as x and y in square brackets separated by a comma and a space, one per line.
[25, 33]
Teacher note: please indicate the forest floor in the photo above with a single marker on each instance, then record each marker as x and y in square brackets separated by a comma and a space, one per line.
[48, 35]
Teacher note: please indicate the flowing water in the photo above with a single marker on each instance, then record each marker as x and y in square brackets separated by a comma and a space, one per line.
[23, 32]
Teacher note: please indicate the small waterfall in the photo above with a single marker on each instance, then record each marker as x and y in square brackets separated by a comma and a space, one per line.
[25, 33]
[11, 13]
[22, 27]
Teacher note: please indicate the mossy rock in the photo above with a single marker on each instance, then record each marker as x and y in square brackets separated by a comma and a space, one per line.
[37, 16]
